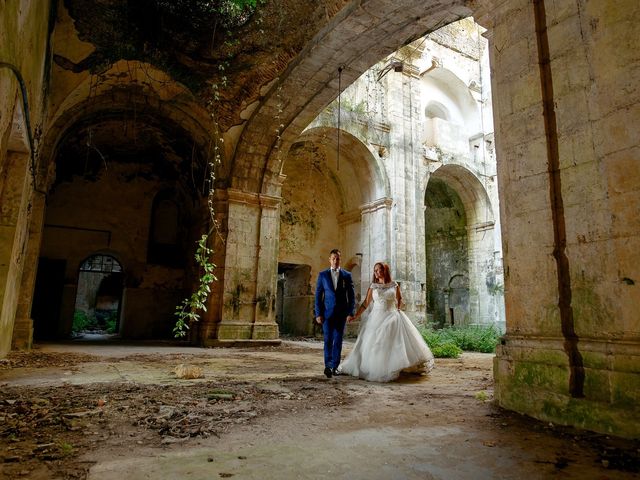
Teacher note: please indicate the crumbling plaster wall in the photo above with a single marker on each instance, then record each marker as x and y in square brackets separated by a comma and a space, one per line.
[311, 204]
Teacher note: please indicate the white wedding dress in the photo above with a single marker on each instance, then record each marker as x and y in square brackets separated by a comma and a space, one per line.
[388, 342]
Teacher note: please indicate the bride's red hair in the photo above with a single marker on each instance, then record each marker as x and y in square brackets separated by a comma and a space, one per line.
[385, 271]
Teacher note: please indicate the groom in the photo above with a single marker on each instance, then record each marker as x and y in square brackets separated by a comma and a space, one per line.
[335, 302]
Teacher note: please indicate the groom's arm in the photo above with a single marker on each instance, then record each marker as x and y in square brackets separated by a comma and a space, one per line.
[351, 296]
[319, 300]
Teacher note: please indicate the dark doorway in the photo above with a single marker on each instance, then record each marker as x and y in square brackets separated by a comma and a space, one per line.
[446, 254]
[99, 296]
[294, 308]
[47, 298]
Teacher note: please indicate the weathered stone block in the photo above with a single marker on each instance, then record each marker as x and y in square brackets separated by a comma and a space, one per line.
[618, 131]
[524, 387]
[622, 171]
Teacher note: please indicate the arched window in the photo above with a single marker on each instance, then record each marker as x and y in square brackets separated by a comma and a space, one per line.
[436, 110]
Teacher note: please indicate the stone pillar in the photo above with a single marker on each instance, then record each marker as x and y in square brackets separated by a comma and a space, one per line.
[405, 172]
[566, 113]
[23, 327]
[480, 254]
[249, 278]
[376, 241]
[14, 221]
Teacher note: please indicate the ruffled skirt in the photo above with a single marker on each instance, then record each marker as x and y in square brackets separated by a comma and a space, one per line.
[387, 344]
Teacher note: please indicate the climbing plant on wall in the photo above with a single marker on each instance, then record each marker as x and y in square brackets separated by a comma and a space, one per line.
[233, 12]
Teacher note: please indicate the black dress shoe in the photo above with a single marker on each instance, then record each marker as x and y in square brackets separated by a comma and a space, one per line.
[336, 372]
[328, 372]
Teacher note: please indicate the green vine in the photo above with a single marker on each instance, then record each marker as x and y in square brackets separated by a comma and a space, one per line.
[189, 310]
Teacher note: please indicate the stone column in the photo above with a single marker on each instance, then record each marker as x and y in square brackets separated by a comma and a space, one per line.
[23, 327]
[14, 222]
[481, 239]
[249, 279]
[405, 157]
[567, 139]
[376, 241]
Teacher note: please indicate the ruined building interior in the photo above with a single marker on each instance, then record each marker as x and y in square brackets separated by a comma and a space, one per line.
[494, 165]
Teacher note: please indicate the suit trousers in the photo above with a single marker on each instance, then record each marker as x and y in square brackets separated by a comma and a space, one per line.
[333, 330]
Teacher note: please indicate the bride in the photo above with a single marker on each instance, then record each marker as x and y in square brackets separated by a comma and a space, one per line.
[388, 342]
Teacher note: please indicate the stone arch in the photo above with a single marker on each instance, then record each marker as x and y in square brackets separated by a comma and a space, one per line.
[355, 199]
[471, 191]
[257, 160]
[459, 224]
[358, 161]
[156, 98]
[154, 137]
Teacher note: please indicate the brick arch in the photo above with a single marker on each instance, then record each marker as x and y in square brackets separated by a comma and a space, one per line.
[357, 37]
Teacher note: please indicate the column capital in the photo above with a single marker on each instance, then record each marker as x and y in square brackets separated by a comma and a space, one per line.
[384, 202]
[258, 199]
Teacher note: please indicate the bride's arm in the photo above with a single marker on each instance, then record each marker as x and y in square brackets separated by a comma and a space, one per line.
[364, 304]
[398, 296]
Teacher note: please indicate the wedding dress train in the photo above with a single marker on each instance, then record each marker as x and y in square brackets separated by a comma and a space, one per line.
[388, 342]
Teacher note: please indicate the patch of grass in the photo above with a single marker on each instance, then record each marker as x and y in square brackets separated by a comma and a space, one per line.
[111, 321]
[82, 321]
[450, 342]
[65, 448]
[476, 338]
[440, 344]
[482, 396]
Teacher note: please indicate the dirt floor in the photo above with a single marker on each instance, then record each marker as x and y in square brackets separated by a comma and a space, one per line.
[108, 411]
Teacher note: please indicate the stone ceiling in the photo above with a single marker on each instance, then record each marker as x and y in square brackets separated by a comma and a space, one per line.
[197, 45]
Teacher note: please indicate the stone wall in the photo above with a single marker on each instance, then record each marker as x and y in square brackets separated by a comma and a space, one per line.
[566, 116]
[81, 221]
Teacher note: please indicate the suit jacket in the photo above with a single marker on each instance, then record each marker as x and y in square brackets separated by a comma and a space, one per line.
[339, 302]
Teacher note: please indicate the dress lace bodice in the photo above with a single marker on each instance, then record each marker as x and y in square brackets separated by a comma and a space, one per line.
[384, 296]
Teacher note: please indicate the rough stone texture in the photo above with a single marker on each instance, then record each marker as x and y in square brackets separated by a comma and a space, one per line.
[595, 110]
[23, 28]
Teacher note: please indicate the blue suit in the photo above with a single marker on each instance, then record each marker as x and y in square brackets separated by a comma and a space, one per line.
[335, 305]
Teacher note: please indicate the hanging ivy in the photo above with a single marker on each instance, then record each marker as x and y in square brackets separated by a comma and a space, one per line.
[190, 309]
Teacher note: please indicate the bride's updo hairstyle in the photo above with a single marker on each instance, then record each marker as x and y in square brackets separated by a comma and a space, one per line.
[385, 271]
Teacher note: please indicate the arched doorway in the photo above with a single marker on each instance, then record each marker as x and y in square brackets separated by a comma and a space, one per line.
[98, 297]
[462, 251]
[447, 255]
[294, 305]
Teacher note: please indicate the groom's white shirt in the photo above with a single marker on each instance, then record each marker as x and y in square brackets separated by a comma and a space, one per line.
[335, 274]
